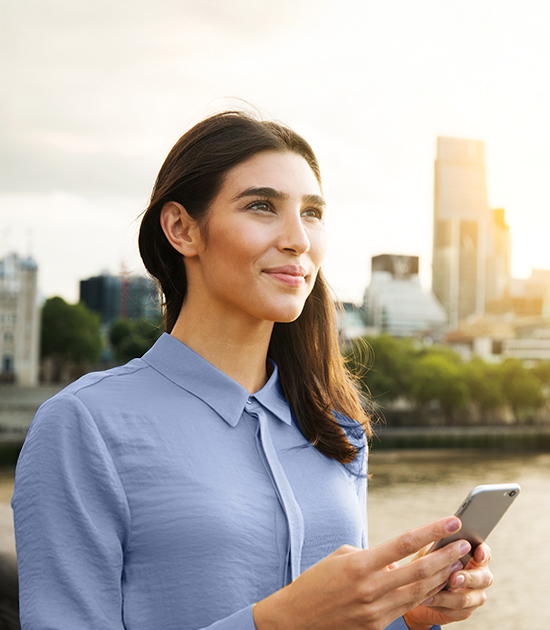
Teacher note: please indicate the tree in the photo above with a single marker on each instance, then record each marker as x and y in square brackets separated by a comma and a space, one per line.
[382, 365]
[70, 335]
[485, 385]
[436, 377]
[131, 338]
[521, 387]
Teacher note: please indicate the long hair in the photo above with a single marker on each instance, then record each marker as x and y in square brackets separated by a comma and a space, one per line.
[313, 377]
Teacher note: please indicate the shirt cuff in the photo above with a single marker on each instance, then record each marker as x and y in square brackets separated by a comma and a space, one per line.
[399, 624]
[240, 620]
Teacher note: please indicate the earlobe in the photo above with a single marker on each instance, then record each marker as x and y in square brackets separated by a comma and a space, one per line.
[180, 229]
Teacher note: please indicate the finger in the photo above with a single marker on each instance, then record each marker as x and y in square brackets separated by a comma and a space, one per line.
[436, 566]
[412, 541]
[459, 599]
[482, 554]
[413, 583]
[402, 597]
[474, 579]
[452, 615]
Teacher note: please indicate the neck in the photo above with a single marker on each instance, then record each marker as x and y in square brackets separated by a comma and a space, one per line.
[236, 347]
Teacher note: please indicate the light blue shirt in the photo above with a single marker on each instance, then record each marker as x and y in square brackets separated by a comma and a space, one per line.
[161, 494]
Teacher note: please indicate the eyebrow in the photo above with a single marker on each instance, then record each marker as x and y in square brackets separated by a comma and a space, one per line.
[267, 191]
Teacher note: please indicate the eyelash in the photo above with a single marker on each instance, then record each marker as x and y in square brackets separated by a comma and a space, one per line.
[318, 212]
[254, 205]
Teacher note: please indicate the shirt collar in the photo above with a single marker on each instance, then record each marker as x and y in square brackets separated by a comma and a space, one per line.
[187, 369]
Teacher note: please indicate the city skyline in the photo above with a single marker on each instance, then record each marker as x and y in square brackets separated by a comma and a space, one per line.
[96, 93]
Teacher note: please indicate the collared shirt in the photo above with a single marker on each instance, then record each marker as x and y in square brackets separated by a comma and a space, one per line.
[161, 494]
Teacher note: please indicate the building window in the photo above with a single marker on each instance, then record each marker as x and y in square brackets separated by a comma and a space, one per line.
[7, 363]
[8, 337]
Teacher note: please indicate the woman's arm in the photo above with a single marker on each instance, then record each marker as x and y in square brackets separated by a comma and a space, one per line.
[71, 521]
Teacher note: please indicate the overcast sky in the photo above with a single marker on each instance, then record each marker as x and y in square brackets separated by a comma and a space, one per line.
[94, 93]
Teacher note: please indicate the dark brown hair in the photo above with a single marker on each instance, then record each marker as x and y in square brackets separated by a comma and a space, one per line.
[312, 374]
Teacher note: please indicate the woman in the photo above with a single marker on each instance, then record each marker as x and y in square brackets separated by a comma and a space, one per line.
[185, 489]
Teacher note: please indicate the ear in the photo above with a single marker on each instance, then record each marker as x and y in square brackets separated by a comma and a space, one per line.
[181, 230]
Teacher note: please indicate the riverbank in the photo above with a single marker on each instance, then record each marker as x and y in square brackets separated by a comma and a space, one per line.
[18, 406]
[497, 438]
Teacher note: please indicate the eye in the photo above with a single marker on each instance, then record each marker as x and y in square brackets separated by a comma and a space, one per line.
[315, 213]
[261, 205]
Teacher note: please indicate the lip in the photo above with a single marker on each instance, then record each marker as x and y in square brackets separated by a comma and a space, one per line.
[291, 275]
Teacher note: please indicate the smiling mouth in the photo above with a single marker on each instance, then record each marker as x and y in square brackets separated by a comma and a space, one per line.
[291, 275]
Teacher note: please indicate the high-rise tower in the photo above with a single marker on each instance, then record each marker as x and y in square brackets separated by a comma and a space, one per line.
[469, 237]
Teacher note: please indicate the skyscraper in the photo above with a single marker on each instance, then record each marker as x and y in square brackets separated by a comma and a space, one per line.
[471, 246]
[116, 297]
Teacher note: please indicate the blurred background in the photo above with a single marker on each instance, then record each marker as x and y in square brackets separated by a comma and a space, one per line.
[430, 122]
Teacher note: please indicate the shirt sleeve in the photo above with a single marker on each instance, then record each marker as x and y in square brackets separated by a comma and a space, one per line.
[399, 624]
[72, 520]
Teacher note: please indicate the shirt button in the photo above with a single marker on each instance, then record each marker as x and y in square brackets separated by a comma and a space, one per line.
[249, 401]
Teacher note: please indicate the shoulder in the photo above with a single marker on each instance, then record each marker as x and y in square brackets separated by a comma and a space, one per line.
[91, 395]
[102, 381]
[355, 433]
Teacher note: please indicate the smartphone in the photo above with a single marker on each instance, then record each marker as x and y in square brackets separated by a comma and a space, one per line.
[480, 513]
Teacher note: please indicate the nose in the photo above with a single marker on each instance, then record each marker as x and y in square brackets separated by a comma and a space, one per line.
[294, 237]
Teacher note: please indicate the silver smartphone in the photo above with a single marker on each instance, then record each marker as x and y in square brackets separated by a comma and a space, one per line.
[480, 513]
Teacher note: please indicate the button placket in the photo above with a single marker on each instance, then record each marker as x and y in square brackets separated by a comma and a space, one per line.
[284, 491]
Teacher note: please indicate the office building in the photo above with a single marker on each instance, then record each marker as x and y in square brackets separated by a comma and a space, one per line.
[471, 244]
[19, 321]
[395, 302]
[351, 321]
[115, 297]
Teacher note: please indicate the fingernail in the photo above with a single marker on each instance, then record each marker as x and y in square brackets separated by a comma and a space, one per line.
[456, 566]
[453, 526]
[484, 556]
[464, 547]
[428, 602]
[459, 580]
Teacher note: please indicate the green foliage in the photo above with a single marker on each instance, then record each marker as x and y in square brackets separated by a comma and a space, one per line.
[484, 384]
[542, 372]
[521, 387]
[70, 332]
[131, 338]
[382, 365]
[446, 353]
[389, 368]
[437, 376]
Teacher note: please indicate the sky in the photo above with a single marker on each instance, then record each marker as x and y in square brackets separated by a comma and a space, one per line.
[93, 94]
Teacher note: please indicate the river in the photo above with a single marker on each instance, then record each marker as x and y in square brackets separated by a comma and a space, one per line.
[410, 488]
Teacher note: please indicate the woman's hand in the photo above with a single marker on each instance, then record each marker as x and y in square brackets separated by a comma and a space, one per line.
[356, 589]
[467, 593]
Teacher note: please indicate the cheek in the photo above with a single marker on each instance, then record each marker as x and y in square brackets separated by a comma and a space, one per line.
[319, 246]
[236, 252]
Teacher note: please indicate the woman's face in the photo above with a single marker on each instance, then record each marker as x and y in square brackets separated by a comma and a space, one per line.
[264, 240]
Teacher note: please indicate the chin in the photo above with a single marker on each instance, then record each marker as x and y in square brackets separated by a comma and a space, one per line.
[287, 316]
[282, 313]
